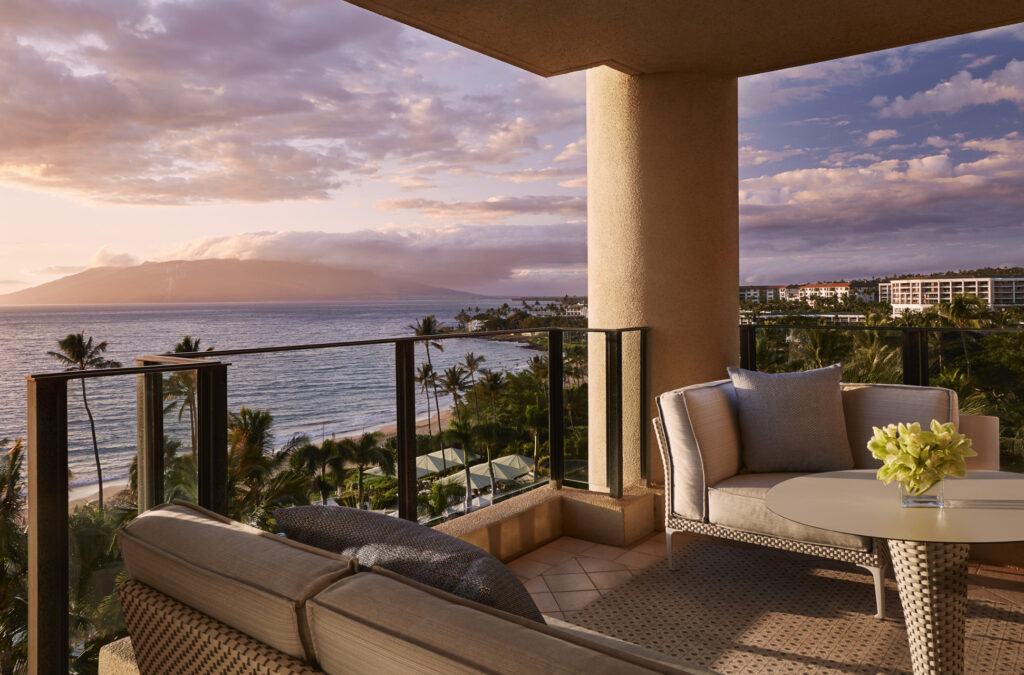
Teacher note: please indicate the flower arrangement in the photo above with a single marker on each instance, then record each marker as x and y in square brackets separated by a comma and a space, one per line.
[919, 459]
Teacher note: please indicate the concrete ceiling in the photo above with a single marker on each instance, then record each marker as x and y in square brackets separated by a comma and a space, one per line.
[725, 37]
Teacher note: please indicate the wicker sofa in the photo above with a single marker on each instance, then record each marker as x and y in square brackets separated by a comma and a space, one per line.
[210, 595]
[708, 491]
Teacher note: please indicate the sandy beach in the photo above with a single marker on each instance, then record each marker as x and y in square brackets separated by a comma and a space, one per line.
[81, 495]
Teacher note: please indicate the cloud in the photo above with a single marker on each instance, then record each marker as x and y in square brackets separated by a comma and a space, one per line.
[60, 270]
[960, 91]
[175, 103]
[492, 210]
[926, 213]
[547, 173]
[978, 62]
[107, 258]
[877, 135]
[473, 258]
[762, 93]
[12, 282]
[573, 150]
[751, 156]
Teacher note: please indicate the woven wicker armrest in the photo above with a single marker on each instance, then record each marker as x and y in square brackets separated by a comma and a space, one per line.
[172, 638]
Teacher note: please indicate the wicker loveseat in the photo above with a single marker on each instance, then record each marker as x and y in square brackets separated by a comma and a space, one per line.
[210, 595]
[709, 492]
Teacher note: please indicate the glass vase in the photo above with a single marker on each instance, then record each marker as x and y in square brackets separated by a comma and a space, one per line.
[933, 497]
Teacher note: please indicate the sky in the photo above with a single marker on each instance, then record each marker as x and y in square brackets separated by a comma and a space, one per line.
[314, 131]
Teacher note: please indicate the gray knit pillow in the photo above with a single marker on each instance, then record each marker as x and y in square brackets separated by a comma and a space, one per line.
[412, 550]
[792, 421]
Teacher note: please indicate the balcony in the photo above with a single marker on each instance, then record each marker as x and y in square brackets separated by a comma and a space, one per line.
[584, 544]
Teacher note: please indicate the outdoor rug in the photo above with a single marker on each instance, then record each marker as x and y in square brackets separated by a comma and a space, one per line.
[736, 608]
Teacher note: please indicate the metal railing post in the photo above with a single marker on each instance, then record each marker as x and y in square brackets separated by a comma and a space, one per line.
[150, 458]
[212, 430]
[915, 356]
[48, 629]
[748, 347]
[645, 420]
[613, 410]
[405, 403]
[556, 407]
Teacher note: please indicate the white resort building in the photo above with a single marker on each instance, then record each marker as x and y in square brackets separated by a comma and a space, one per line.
[917, 295]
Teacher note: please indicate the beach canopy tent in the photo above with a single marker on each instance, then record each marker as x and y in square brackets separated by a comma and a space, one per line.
[522, 462]
[434, 462]
[479, 477]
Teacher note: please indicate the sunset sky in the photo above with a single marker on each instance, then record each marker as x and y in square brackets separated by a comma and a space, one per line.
[314, 131]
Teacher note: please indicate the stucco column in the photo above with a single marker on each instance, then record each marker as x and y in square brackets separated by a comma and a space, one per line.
[662, 237]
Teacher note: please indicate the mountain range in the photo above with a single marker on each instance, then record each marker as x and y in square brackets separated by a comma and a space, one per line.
[223, 281]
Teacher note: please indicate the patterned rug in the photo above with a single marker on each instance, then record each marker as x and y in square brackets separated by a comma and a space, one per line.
[736, 608]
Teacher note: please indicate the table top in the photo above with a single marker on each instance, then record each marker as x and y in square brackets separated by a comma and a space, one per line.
[986, 506]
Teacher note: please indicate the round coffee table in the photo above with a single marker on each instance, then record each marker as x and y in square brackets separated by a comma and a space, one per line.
[929, 546]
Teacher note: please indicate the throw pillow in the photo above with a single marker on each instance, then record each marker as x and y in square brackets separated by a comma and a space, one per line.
[412, 550]
[792, 421]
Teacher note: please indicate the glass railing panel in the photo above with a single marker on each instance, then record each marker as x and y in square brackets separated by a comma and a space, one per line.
[101, 499]
[867, 354]
[489, 397]
[575, 395]
[179, 399]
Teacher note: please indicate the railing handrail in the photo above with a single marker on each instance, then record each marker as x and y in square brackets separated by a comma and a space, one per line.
[130, 370]
[401, 338]
[849, 326]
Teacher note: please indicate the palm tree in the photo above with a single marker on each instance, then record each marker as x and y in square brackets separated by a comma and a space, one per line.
[453, 381]
[491, 385]
[429, 325]
[77, 353]
[440, 497]
[181, 388]
[460, 436]
[472, 364]
[964, 311]
[251, 459]
[425, 378]
[317, 460]
[366, 452]
[13, 559]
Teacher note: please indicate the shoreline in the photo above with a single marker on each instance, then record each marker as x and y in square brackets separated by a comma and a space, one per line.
[81, 495]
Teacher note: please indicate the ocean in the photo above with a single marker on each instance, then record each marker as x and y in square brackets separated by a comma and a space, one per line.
[320, 392]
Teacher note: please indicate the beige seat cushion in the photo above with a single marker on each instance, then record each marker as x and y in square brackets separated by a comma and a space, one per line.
[738, 502]
[379, 622]
[251, 580]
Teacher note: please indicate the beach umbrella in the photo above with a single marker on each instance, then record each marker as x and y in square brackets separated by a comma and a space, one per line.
[438, 460]
[520, 463]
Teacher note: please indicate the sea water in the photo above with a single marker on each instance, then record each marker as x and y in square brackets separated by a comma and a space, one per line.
[340, 391]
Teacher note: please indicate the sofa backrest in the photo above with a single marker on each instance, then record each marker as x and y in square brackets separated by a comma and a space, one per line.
[877, 405]
[251, 580]
[381, 622]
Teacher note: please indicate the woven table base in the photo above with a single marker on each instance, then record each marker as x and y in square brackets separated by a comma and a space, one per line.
[932, 581]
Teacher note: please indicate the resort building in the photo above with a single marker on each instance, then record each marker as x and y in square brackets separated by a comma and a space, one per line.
[917, 295]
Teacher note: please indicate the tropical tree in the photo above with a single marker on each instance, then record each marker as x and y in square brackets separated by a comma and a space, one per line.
[472, 363]
[317, 460]
[180, 389]
[78, 353]
[251, 459]
[491, 385]
[453, 381]
[426, 378]
[964, 311]
[429, 325]
[441, 496]
[13, 559]
[460, 435]
[366, 452]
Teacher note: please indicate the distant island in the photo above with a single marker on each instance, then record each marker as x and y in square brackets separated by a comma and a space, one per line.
[224, 281]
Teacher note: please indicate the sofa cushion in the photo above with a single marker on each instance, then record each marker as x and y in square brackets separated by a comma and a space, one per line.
[702, 436]
[382, 622]
[738, 502]
[792, 421]
[878, 405]
[231, 572]
[412, 550]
